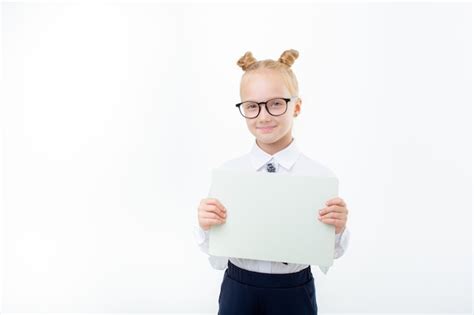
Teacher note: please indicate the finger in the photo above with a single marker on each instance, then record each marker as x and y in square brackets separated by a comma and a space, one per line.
[335, 215]
[335, 222]
[212, 221]
[334, 208]
[336, 201]
[214, 209]
[216, 202]
[212, 215]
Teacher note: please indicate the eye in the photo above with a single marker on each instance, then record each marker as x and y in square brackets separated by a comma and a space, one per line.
[250, 106]
[277, 103]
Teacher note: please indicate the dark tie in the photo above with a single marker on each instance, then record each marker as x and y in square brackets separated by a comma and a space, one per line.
[271, 169]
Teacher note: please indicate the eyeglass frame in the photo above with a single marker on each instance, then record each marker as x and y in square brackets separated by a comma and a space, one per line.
[286, 99]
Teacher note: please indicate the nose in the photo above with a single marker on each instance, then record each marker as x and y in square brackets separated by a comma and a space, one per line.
[264, 115]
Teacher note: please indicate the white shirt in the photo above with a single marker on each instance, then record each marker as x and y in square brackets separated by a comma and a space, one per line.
[289, 160]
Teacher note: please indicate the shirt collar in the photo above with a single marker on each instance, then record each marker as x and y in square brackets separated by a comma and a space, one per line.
[285, 157]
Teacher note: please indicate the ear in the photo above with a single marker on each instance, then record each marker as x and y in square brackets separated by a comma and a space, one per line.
[297, 109]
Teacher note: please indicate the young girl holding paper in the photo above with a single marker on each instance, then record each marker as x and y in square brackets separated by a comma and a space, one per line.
[269, 104]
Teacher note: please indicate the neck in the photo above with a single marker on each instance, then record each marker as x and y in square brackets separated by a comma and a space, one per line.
[272, 148]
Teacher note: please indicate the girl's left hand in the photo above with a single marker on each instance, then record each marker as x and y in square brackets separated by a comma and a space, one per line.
[335, 214]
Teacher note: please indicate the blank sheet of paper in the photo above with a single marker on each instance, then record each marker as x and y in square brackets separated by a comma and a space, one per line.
[273, 216]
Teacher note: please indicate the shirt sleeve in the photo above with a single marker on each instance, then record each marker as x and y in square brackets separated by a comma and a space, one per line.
[341, 243]
[202, 239]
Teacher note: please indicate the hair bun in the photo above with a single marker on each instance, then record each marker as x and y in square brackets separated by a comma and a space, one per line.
[246, 61]
[288, 57]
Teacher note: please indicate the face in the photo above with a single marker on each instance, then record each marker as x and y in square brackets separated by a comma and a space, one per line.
[260, 86]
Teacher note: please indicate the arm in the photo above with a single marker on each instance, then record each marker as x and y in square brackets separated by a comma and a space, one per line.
[342, 242]
[202, 239]
[336, 214]
[340, 246]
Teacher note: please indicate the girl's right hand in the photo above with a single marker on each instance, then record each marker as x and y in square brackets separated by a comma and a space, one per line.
[211, 212]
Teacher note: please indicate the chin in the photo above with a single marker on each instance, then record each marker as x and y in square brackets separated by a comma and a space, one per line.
[267, 139]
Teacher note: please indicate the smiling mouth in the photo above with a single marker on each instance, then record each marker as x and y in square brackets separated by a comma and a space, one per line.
[269, 128]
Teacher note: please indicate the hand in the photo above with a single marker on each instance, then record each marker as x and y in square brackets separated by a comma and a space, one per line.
[211, 212]
[335, 214]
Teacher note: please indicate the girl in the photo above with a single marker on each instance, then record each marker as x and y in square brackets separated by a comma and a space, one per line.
[269, 104]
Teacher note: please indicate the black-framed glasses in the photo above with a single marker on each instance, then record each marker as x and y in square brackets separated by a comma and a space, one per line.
[275, 107]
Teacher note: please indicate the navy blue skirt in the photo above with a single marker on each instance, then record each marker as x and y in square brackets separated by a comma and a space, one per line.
[249, 292]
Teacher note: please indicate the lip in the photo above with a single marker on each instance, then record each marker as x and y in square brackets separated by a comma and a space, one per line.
[266, 129]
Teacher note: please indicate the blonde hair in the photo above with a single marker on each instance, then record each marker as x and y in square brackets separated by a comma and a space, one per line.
[283, 66]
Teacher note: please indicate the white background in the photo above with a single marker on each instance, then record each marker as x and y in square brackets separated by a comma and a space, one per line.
[115, 114]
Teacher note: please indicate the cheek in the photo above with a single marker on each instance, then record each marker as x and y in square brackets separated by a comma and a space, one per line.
[284, 123]
[250, 124]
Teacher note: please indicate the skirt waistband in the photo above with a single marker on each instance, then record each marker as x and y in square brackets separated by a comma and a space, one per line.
[269, 280]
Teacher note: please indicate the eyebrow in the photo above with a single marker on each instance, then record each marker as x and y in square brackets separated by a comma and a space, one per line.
[268, 99]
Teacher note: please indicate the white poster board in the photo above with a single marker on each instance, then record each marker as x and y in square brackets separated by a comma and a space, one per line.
[273, 216]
